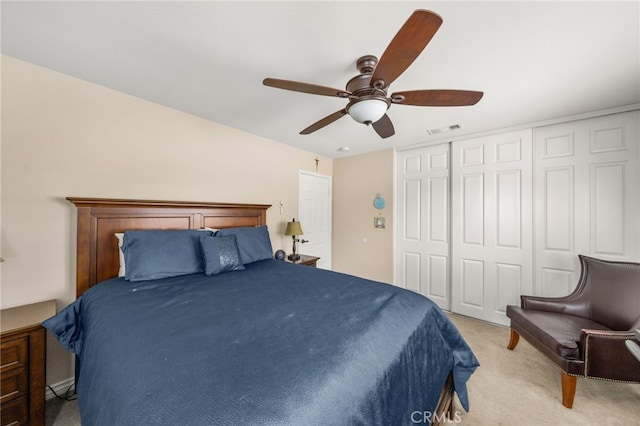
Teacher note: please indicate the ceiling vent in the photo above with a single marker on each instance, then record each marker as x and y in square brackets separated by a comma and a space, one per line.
[443, 129]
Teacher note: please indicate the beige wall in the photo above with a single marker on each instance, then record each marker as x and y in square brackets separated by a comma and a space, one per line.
[65, 137]
[356, 181]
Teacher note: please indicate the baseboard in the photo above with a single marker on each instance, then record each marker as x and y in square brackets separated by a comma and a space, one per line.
[60, 388]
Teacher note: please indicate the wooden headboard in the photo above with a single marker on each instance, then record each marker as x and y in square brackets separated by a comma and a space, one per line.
[100, 218]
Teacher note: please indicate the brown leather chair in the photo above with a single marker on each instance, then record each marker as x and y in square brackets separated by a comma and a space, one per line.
[585, 332]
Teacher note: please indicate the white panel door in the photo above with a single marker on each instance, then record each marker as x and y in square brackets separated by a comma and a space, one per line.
[314, 211]
[491, 234]
[587, 188]
[422, 236]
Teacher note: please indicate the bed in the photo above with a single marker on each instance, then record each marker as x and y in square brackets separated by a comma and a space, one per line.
[247, 339]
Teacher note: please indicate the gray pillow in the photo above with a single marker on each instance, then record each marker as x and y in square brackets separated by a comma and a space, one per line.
[220, 254]
[155, 254]
[253, 242]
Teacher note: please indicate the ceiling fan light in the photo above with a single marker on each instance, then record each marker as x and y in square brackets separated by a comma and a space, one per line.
[368, 111]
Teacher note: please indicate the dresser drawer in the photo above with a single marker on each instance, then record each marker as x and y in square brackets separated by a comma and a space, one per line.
[14, 353]
[15, 383]
[22, 363]
[15, 412]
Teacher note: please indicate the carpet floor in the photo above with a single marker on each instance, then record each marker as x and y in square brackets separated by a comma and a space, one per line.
[522, 387]
[519, 387]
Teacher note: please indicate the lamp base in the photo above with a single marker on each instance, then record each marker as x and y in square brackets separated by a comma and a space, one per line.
[293, 257]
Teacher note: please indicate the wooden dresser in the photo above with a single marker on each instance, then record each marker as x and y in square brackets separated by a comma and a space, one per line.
[22, 363]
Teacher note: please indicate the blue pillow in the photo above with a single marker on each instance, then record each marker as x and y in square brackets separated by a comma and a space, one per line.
[220, 254]
[151, 255]
[253, 242]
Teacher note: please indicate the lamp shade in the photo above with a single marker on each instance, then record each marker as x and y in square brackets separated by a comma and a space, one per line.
[368, 110]
[293, 228]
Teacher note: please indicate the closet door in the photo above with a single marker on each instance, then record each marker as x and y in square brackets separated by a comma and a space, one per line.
[587, 190]
[422, 236]
[491, 234]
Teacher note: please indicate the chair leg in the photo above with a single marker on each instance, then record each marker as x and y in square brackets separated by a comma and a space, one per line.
[513, 340]
[568, 389]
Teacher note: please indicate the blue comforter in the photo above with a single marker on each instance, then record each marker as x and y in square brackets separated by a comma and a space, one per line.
[274, 344]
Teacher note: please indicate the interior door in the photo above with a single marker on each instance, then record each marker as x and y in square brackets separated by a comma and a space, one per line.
[422, 236]
[587, 188]
[492, 242]
[314, 211]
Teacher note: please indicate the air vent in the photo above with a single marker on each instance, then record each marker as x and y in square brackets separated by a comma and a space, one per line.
[444, 129]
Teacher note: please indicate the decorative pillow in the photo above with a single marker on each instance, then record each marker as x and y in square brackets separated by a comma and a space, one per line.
[220, 254]
[253, 242]
[151, 255]
[122, 270]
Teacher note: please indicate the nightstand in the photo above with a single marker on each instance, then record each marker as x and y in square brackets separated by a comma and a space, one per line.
[22, 363]
[305, 260]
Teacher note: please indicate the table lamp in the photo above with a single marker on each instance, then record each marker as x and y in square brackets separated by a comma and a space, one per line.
[294, 229]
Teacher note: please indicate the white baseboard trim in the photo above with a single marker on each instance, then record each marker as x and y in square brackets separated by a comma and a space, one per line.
[60, 388]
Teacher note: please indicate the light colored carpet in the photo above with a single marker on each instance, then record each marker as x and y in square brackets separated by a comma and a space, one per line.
[61, 413]
[519, 387]
[522, 387]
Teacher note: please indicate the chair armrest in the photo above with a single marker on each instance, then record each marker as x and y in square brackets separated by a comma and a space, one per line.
[606, 356]
[607, 334]
[633, 348]
[564, 305]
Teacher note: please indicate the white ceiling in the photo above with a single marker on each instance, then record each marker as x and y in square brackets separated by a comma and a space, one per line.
[534, 60]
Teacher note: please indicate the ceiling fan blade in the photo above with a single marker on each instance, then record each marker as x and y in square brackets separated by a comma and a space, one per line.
[437, 97]
[384, 127]
[405, 47]
[297, 86]
[324, 122]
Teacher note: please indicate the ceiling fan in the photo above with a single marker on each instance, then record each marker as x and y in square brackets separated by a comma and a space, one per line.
[367, 92]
